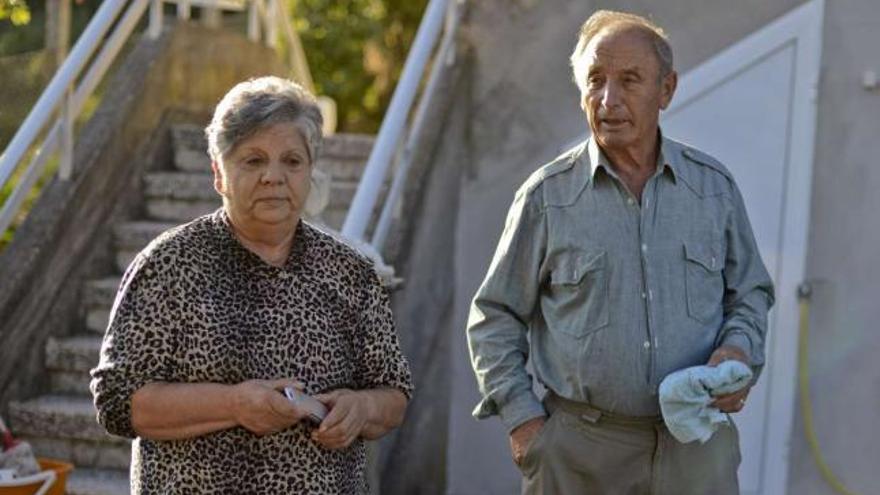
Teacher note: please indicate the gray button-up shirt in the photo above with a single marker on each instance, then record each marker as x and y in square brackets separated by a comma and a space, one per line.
[608, 296]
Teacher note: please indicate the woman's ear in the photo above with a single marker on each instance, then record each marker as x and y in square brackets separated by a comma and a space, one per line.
[218, 178]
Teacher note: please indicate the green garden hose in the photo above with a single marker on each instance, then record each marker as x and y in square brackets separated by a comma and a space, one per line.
[804, 293]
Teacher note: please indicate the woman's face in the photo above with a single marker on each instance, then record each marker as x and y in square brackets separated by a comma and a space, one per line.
[266, 178]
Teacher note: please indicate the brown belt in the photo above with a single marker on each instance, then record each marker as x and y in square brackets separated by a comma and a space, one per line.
[593, 414]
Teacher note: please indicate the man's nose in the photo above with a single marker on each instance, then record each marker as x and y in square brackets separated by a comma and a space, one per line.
[611, 95]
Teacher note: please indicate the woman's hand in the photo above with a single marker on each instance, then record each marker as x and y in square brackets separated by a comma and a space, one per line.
[260, 406]
[349, 413]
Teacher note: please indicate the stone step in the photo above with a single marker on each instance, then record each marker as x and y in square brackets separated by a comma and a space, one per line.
[83, 453]
[63, 417]
[342, 167]
[190, 148]
[77, 354]
[98, 482]
[129, 238]
[70, 382]
[181, 186]
[342, 155]
[98, 300]
[181, 197]
[347, 145]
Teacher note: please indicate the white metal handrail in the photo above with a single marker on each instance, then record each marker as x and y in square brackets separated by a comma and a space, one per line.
[65, 95]
[392, 129]
[445, 57]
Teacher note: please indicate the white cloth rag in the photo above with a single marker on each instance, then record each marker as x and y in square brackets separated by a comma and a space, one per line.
[685, 396]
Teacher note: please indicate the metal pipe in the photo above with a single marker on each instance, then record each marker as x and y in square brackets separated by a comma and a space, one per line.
[395, 118]
[56, 89]
[400, 175]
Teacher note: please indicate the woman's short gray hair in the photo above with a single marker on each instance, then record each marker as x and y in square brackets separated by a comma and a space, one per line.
[602, 19]
[258, 103]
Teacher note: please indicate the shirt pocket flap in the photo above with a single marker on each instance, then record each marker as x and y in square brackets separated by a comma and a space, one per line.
[570, 270]
[702, 254]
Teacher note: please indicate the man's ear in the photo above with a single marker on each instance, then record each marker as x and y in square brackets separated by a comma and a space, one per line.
[667, 88]
[218, 178]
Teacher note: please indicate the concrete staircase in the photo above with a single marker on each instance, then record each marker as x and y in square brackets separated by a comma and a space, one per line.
[62, 423]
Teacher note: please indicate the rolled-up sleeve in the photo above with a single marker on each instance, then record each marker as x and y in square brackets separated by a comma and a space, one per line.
[380, 360]
[139, 344]
[749, 292]
[499, 317]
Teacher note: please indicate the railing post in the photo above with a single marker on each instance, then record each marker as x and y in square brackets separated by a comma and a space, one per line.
[253, 22]
[184, 10]
[272, 20]
[58, 29]
[52, 96]
[367, 194]
[65, 168]
[155, 28]
[212, 17]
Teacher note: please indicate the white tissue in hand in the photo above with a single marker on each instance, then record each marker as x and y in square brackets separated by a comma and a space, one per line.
[685, 396]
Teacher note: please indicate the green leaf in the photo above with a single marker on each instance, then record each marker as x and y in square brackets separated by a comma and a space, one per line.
[20, 16]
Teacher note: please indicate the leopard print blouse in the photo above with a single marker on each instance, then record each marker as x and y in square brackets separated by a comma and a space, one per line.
[196, 306]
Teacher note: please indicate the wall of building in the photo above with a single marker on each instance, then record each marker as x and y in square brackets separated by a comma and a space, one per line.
[523, 107]
[842, 259]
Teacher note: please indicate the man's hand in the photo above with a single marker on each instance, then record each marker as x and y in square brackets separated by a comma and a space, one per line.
[259, 406]
[522, 437]
[349, 413]
[730, 403]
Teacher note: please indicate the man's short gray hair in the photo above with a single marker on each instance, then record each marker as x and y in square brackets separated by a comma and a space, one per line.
[604, 19]
[258, 103]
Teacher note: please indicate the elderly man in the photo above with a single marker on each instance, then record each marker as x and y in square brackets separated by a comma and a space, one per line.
[621, 261]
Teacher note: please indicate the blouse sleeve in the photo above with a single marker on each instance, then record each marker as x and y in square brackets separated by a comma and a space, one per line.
[139, 344]
[380, 361]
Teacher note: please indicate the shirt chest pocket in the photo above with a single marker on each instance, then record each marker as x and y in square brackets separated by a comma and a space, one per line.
[578, 298]
[704, 281]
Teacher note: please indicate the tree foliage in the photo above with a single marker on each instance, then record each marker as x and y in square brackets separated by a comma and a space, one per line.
[356, 50]
[16, 11]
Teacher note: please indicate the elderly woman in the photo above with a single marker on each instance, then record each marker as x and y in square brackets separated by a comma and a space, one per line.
[216, 317]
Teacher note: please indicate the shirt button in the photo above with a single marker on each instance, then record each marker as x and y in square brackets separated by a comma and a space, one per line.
[630, 202]
[644, 248]
[647, 344]
[643, 295]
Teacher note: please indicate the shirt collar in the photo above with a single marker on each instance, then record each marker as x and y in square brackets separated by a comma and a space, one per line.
[295, 259]
[668, 159]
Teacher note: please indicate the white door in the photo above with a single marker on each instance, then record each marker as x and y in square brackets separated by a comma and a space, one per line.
[753, 108]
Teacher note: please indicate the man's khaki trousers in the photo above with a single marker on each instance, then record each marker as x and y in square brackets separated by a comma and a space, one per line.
[583, 451]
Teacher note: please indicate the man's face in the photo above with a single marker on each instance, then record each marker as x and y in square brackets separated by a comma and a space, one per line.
[623, 91]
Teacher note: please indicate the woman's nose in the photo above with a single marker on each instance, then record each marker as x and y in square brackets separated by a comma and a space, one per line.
[273, 173]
